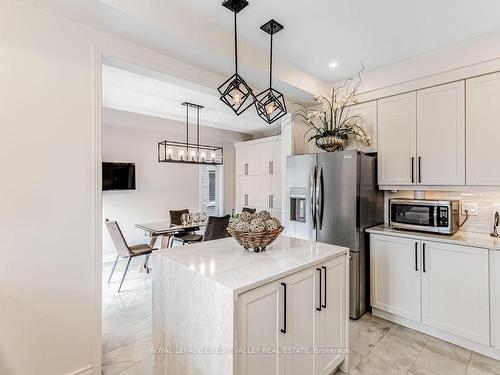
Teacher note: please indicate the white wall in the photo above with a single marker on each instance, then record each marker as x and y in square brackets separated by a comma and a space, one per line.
[49, 272]
[132, 137]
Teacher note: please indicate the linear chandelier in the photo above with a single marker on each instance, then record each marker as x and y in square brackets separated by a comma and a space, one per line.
[236, 93]
[190, 153]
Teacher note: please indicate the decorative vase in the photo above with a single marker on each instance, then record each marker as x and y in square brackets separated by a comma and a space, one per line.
[331, 143]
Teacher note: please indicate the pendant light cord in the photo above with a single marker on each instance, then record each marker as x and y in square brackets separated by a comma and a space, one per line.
[235, 45]
[271, 62]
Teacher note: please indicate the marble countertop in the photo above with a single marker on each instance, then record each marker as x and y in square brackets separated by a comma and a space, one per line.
[459, 238]
[227, 263]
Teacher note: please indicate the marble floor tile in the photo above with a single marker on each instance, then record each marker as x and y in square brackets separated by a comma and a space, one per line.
[126, 356]
[374, 365]
[481, 365]
[363, 336]
[441, 358]
[400, 354]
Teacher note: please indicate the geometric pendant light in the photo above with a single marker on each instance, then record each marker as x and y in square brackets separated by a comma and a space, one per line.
[235, 92]
[270, 103]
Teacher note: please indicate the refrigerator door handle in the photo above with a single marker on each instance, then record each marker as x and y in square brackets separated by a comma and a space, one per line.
[319, 198]
[311, 197]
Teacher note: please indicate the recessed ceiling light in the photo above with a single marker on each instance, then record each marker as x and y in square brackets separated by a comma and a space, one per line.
[333, 64]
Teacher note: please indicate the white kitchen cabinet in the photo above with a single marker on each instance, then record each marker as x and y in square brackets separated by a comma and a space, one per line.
[483, 130]
[441, 135]
[495, 297]
[330, 327]
[397, 132]
[368, 112]
[395, 275]
[455, 296]
[261, 310]
[258, 177]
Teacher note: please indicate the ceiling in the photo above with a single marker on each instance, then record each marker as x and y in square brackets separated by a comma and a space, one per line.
[155, 94]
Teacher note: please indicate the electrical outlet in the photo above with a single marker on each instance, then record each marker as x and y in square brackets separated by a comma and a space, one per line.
[471, 207]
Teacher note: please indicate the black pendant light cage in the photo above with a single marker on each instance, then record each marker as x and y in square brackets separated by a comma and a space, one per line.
[235, 92]
[270, 103]
[190, 153]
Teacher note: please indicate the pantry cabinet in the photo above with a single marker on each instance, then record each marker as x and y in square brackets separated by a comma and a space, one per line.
[258, 175]
[422, 137]
[483, 130]
[437, 285]
[302, 311]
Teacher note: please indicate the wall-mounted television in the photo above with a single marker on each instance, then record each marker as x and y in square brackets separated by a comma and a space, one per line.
[118, 176]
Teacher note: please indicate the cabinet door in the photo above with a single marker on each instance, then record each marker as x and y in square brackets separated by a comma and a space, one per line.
[331, 320]
[368, 112]
[455, 295]
[260, 320]
[242, 160]
[261, 192]
[395, 275]
[483, 129]
[441, 135]
[300, 321]
[397, 139]
[495, 297]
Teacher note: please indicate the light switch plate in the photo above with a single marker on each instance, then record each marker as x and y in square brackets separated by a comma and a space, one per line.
[471, 207]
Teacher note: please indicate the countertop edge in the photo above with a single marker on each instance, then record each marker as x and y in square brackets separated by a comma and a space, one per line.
[479, 241]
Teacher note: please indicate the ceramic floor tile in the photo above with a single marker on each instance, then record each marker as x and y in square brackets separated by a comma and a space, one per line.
[449, 350]
[366, 335]
[126, 356]
[145, 367]
[400, 354]
[438, 359]
[374, 365]
[409, 336]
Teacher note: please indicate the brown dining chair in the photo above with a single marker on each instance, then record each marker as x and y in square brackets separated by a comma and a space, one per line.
[126, 251]
[216, 228]
[249, 210]
[185, 236]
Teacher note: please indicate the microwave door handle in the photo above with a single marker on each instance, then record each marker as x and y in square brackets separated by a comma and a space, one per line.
[435, 216]
[312, 187]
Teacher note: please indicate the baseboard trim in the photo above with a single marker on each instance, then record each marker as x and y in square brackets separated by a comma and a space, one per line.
[464, 343]
[87, 370]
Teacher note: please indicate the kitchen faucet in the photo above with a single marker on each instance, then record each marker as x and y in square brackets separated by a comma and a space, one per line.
[495, 225]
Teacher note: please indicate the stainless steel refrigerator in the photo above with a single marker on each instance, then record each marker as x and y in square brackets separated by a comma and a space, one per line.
[332, 198]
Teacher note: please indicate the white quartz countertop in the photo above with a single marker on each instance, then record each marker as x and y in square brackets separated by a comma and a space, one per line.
[459, 238]
[226, 262]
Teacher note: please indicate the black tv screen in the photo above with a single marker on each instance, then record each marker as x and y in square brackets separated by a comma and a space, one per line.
[118, 176]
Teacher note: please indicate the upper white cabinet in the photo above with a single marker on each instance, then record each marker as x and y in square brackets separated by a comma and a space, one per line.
[455, 295]
[395, 275]
[397, 133]
[422, 137]
[441, 135]
[258, 175]
[495, 297]
[483, 129]
[368, 112]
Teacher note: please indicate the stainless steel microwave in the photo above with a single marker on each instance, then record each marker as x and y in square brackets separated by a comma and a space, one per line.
[425, 215]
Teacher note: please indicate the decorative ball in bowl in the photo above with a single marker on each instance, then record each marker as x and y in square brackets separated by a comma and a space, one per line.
[255, 231]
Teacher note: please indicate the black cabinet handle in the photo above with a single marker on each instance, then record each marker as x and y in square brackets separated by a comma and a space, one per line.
[412, 170]
[320, 293]
[283, 330]
[419, 169]
[416, 256]
[423, 257]
[324, 305]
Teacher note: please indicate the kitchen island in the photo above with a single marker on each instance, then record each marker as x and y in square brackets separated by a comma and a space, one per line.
[221, 310]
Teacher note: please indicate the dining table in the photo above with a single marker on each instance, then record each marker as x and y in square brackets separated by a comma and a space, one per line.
[165, 230]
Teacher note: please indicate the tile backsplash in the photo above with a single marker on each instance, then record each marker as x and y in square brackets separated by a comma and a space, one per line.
[487, 204]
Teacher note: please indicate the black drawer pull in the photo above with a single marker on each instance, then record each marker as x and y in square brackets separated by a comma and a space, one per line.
[324, 305]
[320, 293]
[283, 330]
[416, 256]
[423, 257]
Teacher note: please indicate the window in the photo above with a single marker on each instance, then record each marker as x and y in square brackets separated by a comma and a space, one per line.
[210, 190]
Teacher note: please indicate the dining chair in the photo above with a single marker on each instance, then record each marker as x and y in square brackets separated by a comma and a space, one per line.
[216, 228]
[185, 236]
[248, 209]
[126, 251]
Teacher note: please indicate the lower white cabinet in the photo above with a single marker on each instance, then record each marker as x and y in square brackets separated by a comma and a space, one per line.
[495, 297]
[304, 311]
[395, 275]
[455, 296]
[438, 285]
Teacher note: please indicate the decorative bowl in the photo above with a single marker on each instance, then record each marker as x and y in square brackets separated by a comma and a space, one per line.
[257, 241]
[331, 143]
